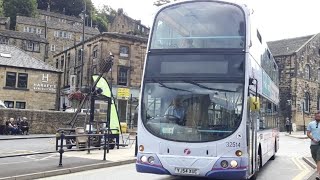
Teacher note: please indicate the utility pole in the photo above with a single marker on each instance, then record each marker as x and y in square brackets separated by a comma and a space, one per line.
[82, 50]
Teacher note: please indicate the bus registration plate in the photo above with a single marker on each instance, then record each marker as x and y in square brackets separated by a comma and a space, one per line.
[189, 171]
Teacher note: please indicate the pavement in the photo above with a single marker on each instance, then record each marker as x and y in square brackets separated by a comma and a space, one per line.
[298, 134]
[308, 159]
[41, 166]
[46, 165]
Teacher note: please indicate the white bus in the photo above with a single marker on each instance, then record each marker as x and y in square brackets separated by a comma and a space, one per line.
[209, 95]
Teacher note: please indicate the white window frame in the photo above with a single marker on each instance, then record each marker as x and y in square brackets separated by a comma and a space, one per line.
[53, 48]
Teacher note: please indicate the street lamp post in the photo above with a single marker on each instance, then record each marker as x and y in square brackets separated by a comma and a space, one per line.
[82, 48]
[304, 122]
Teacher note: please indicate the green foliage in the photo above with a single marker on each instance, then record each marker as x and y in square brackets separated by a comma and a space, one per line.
[12, 8]
[69, 7]
[1, 8]
[162, 2]
[103, 17]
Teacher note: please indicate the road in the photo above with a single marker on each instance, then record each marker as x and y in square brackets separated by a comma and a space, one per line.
[288, 165]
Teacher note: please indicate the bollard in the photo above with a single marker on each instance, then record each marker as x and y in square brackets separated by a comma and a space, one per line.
[57, 141]
[105, 146]
[136, 147]
[108, 141]
[61, 151]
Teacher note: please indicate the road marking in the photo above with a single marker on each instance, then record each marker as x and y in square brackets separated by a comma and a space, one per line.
[296, 163]
[305, 170]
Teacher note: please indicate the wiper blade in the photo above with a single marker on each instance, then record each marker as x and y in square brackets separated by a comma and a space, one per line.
[165, 86]
[209, 88]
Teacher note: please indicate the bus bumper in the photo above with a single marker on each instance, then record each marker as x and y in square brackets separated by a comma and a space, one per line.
[227, 174]
[146, 168]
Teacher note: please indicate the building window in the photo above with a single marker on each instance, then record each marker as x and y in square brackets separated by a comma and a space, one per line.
[124, 51]
[307, 71]
[20, 105]
[22, 80]
[4, 40]
[319, 75]
[123, 76]
[62, 62]
[9, 104]
[318, 103]
[79, 54]
[95, 51]
[68, 60]
[307, 102]
[39, 31]
[57, 63]
[138, 27]
[53, 48]
[11, 79]
[142, 29]
[33, 46]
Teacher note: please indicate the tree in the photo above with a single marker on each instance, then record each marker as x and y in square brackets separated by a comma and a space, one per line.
[1, 8]
[69, 7]
[103, 16]
[12, 8]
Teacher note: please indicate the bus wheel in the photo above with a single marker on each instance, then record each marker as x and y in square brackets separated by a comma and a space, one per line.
[275, 149]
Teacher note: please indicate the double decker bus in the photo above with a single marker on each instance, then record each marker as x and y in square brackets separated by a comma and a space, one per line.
[209, 95]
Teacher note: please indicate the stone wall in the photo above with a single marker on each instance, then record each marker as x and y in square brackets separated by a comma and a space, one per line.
[42, 122]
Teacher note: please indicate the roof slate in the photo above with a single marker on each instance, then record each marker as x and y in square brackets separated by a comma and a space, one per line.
[287, 46]
[21, 59]
[56, 25]
[23, 35]
[58, 15]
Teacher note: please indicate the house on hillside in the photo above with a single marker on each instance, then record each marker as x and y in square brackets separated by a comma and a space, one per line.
[298, 60]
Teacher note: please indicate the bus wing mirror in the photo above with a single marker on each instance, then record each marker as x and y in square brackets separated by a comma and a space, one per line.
[254, 103]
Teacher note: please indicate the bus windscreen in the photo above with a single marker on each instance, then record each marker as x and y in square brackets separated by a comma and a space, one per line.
[201, 25]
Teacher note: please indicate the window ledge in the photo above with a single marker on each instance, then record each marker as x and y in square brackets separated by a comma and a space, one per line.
[15, 88]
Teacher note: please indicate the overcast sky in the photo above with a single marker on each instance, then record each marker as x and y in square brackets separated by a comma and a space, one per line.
[280, 19]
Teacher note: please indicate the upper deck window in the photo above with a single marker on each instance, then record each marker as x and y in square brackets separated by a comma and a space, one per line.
[199, 25]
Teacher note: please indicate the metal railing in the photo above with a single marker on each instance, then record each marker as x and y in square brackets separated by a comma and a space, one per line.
[61, 137]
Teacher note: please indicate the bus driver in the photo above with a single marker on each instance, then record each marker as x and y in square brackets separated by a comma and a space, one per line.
[176, 112]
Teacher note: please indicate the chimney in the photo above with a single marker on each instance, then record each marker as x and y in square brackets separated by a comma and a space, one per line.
[120, 11]
[64, 11]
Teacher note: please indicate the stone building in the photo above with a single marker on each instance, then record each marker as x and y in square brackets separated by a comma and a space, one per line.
[32, 44]
[4, 23]
[60, 35]
[129, 53]
[125, 24]
[52, 16]
[26, 82]
[299, 70]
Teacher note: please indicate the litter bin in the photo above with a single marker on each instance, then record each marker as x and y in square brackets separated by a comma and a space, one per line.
[123, 127]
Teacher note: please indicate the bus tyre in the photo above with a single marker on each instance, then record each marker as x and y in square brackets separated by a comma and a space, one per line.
[274, 155]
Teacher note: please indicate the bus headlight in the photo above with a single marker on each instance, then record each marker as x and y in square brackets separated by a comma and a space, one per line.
[144, 159]
[238, 153]
[234, 164]
[224, 164]
[151, 159]
[141, 148]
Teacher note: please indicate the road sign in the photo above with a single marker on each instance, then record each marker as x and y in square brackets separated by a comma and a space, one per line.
[123, 93]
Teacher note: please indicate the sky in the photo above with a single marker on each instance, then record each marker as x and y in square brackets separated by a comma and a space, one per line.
[280, 19]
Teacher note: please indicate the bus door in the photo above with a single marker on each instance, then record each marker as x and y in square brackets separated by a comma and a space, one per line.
[252, 119]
